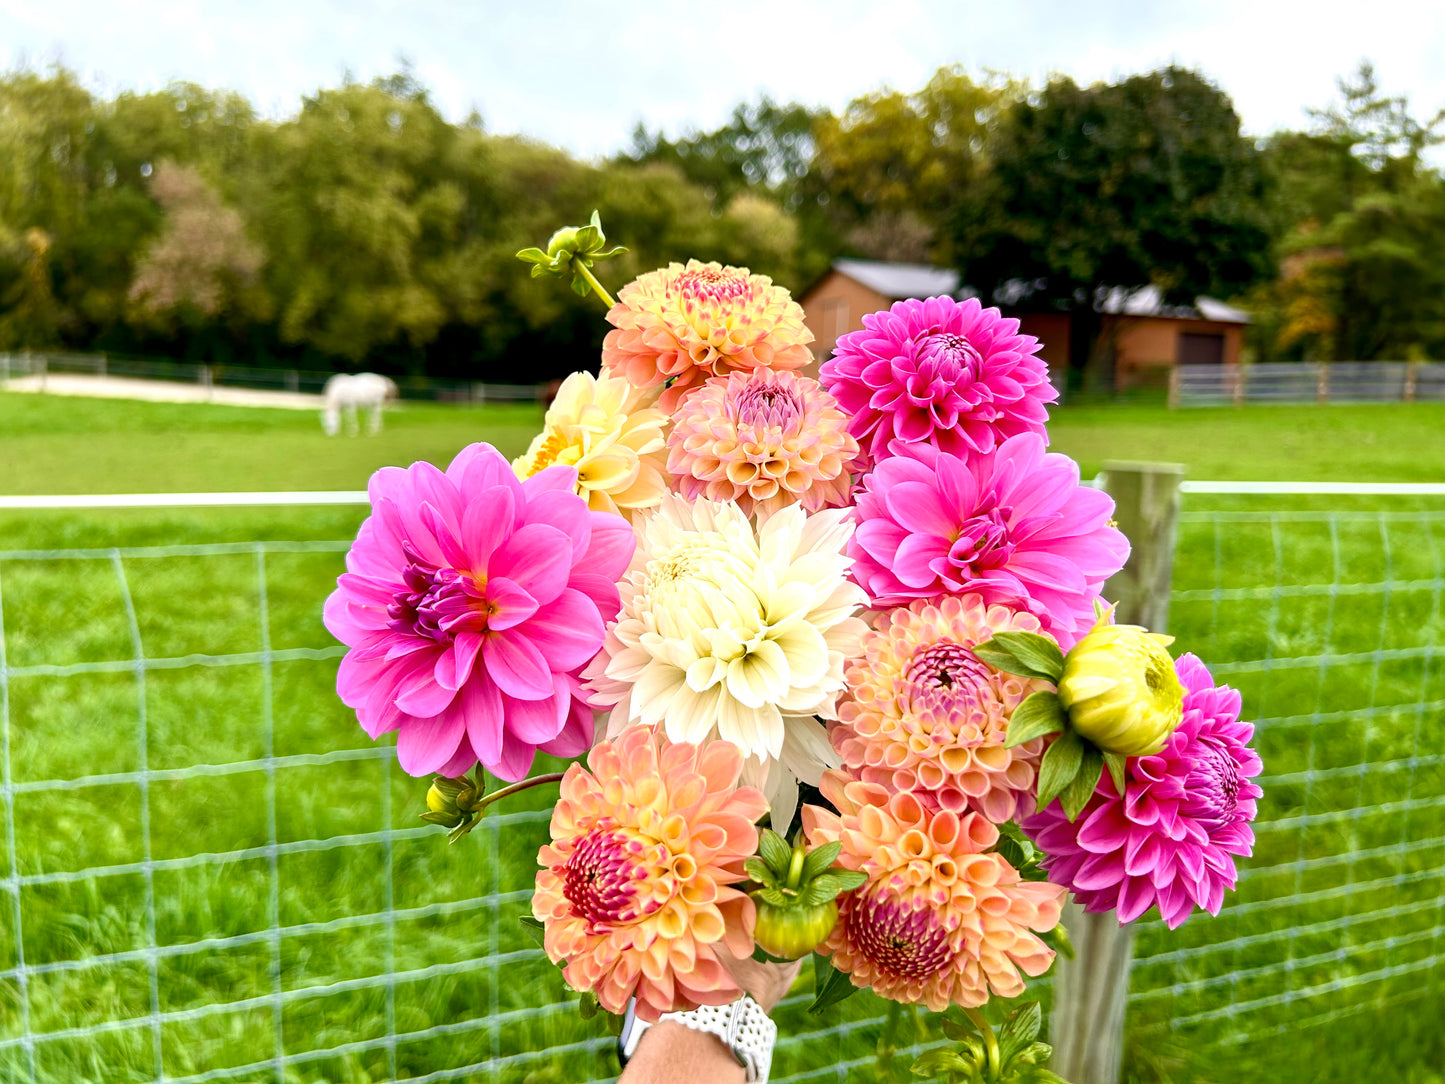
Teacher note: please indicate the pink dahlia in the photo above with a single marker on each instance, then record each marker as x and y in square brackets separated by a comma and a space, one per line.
[470, 604]
[764, 440]
[942, 919]
[635, 889]
[924, 714]
[685, 324]
[1185, 814]
[1015, 526]
[942, 372]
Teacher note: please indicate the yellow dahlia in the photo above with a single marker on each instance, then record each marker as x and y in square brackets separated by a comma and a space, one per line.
[1120, 689]
[635, 887]
[685, 324]
[612, 434]
[735, 630]
[940, 920]
[762, 439]
[923, 713]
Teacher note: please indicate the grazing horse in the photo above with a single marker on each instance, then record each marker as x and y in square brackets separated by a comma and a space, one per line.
[346, 393]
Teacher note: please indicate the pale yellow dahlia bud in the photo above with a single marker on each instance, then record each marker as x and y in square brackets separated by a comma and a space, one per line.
[1120, 689]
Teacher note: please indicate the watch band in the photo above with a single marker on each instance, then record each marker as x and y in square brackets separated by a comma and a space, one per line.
[743, 1027]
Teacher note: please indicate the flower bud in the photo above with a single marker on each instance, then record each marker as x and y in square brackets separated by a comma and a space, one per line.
[1120, 689]
[450, 802]
[563, 239]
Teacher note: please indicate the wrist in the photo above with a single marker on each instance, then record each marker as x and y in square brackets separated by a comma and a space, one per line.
[741, 1031]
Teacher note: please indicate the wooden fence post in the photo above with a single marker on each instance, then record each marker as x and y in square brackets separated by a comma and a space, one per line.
[1092, 990]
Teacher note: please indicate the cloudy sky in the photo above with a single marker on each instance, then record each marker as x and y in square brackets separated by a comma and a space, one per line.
[582, 75]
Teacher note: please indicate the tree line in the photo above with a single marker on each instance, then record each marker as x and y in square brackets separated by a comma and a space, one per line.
[367, 231]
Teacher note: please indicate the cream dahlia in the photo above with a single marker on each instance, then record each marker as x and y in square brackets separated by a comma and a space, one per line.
[609, 431]
[685, 324]
[922, 713]
[941, 920]
[735, 631]
[762, 439]
[635, 887]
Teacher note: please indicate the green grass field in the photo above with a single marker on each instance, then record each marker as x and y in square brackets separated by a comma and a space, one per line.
[1341, 914]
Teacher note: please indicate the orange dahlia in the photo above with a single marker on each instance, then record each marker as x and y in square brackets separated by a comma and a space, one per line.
[922, 713]
[635, 887]
[686, 324]
[941, 920]
[764, 440]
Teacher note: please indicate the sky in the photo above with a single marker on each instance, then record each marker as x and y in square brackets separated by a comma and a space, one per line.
[583, 75]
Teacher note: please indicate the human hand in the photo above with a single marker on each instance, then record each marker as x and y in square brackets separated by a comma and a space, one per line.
[765, 983]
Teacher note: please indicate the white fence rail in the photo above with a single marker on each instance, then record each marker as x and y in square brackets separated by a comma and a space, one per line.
[1323, 382]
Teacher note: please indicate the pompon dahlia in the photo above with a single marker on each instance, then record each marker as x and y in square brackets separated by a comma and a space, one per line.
[942, 372]
[762, 439]
[635, 887]
[702, 320]
[941, 919]
[470, 603]
[609, 431]
[1015, 526]
[1185, 813]
[922, 713]
[735, 631]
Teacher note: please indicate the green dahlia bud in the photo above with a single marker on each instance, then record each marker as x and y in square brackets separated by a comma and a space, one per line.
[1120, 689]
[451, 802]
[564, 239]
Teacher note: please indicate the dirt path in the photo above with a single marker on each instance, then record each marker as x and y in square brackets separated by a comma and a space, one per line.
[160, 391]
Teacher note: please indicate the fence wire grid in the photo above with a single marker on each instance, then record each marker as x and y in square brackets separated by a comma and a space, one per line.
[210, 874]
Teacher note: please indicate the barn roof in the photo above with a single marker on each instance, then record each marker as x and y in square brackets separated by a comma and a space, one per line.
[899, 280]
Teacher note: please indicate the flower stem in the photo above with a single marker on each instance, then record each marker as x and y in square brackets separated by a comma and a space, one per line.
[596, 286]
[516, 788]
[990, 1041]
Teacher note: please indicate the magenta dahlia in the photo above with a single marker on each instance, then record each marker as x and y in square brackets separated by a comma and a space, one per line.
[470, 604]
[952, 374]
[1185, 814]
[1015, 526]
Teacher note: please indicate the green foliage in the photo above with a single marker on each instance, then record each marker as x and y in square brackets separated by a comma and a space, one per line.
[1011, 1054]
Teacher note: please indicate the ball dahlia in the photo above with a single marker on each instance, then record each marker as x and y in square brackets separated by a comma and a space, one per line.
[1016, 527]
[1185, 813]
[635, 890]
[762, 439]
[735, 630]
[608, 431]
[941, 920]
[942, 372]
[922, 713]
[470, 604]
[686, 324]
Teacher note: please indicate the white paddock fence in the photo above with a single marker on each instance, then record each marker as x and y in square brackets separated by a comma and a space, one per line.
[1302, 382]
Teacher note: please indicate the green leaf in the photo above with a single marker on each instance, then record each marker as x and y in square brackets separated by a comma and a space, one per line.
[589, 238]
[1059, 766]
[1077, 794]
[933, 1063]
[534, 929]
[1058, 939]
[820, 859]
[1026, 654]
[957, 1027]
[1036, 716]
[580, 286]
[763, 956]
[758, 870]
[832, 985]
[775, 896]
[1115, 763]
[533, 256]
[1019, 1030]
[775, 852]
[822, 889]
[588, 1006]
[850, 879]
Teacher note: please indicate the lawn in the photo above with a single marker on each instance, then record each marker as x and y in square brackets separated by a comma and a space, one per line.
[296, 862]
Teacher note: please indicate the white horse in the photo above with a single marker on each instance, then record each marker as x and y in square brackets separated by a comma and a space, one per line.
[346, 393]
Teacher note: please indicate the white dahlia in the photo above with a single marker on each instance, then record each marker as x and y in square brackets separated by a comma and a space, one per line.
[737, 632]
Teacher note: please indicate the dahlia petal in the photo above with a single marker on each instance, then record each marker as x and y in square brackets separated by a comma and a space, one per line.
[508, 604]
[568, 630]
[1136, 895]
[417, 690]
[480, 704]
[517, 666]
[537, 721]
[538, 558]
[424, 745]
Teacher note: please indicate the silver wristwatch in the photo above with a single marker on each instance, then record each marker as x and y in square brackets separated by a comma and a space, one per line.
[743, 1027]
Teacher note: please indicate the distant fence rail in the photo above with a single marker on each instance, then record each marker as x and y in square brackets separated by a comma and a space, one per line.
[427, 389]
[1300, 382]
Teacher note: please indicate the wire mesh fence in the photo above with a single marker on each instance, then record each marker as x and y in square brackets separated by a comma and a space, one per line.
[210, 874]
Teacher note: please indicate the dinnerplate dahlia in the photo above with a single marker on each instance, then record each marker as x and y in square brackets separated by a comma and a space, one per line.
[1016, 527]
[922, 713]
[941, 919]
[470, 603]
[1185, 814]
[635, 890]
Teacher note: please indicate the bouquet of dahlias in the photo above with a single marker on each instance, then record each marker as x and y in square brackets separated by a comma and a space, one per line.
[728, 584]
